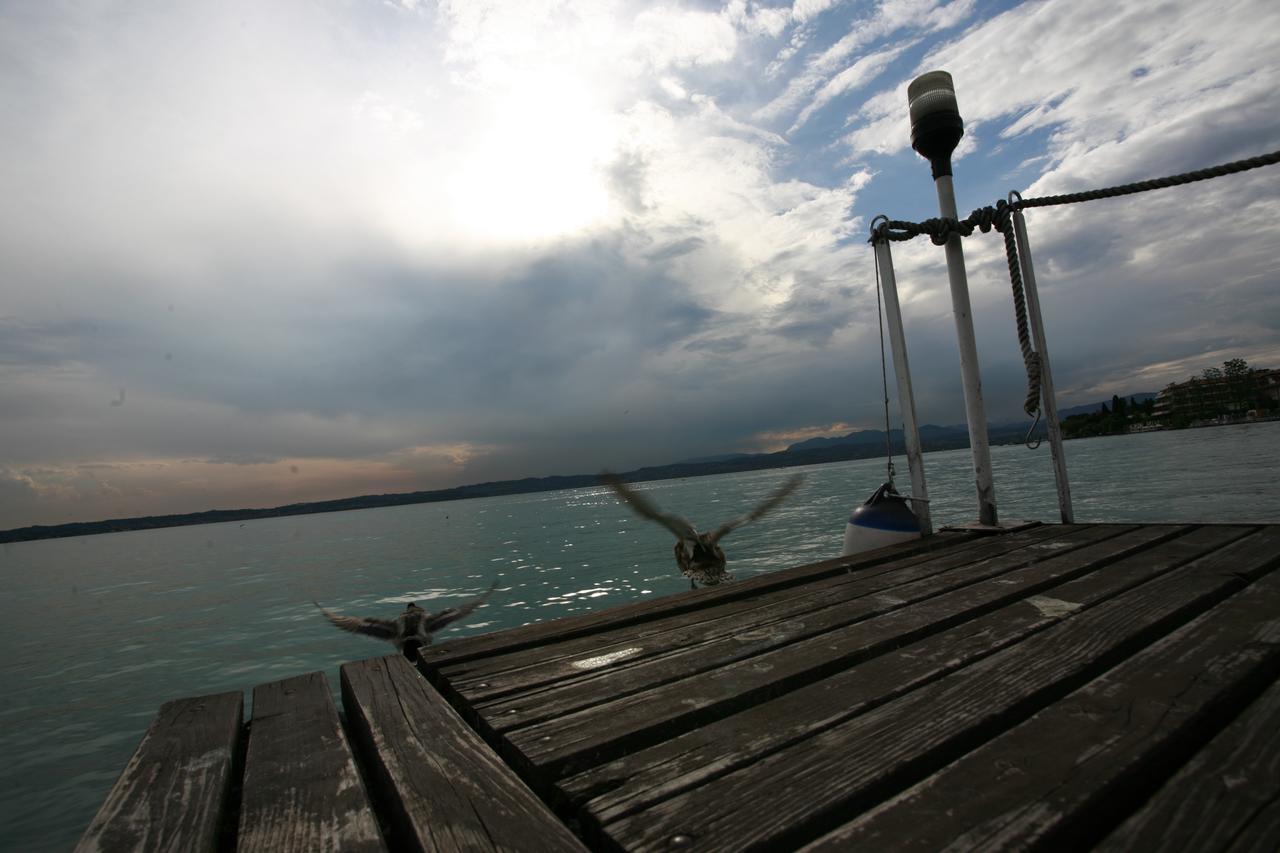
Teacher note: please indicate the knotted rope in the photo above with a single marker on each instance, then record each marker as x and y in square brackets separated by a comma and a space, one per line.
[984, 219]
[1154, 184]
[1000, 217]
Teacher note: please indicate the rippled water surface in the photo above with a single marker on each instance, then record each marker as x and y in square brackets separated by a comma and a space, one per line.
[97, 632]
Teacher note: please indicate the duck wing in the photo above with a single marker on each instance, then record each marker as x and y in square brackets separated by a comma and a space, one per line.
[435, 621]
[645, 508]
[772, 501]
[383, 629]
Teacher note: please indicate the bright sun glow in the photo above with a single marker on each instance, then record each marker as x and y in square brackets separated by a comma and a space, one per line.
[537, 170]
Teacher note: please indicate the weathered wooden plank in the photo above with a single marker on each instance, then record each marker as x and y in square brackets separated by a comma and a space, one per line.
[442, 786]
[301, 789]
[1064, 776]
[586, 721]
[633, 781]
[586, 658]
[857, 764]
[828, 608]
[563, 648]
[173, 794]
[1226, 798]
[526, 636]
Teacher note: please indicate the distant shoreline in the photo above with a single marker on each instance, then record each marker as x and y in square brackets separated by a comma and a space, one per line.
[1003, 434]
[747, 462]
[1194, 425]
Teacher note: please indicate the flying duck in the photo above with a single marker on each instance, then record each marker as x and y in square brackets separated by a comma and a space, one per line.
[412, 629]
[699, 555]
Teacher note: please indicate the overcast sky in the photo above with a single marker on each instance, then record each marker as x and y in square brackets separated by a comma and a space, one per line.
[256, 253]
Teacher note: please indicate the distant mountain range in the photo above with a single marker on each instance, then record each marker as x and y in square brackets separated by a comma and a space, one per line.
[929, 434]
[859, 444]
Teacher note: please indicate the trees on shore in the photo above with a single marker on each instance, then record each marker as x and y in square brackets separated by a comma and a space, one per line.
[1110, 420]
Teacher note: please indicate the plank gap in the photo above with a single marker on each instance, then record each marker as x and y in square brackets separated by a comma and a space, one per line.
[229, 832]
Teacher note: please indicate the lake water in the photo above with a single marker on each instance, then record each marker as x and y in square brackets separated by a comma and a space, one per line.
[97, 632]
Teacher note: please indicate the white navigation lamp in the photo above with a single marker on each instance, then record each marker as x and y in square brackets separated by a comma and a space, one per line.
[936, 126]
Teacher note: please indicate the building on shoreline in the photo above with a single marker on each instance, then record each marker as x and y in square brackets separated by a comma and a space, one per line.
[1234, 394]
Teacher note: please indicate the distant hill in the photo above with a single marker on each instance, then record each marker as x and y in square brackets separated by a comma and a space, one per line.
[720, 457]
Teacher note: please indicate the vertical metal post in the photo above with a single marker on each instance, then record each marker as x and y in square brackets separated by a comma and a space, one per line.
[936, 129]
[906, 399]
[975, 412]
[1047, 398]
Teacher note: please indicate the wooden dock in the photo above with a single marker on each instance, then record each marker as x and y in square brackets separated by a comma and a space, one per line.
[1060, 687]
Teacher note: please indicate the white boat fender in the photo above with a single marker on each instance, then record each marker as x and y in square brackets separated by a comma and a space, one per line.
[885, 519]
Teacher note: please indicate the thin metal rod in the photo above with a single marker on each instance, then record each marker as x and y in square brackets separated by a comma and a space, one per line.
[1047, 398]
[906, 399]
[975, 413]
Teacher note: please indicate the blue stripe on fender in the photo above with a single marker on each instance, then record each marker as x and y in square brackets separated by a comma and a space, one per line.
[894, 523]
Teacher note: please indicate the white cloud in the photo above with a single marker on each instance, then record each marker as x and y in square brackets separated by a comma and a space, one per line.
[855, 76]
[1093, 72]
[757, 20]
[664, 37]
[804, 10]
[889, 18]
[716, 175]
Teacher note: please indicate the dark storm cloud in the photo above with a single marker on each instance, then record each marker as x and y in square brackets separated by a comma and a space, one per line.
[719, 345]
[589, 310]
[27, 343]
[814, 311]
[626, 177]
[15, 488]
[676, 249]
[426, 345]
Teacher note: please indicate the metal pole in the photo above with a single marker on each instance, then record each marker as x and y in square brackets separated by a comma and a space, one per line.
[906, 399]
[1048, 400]
[975, 412]
[936, 129]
